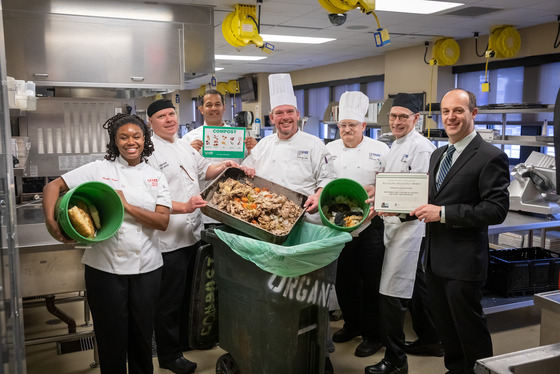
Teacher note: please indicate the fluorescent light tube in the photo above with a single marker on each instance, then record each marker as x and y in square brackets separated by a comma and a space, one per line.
[414, 6]
[295, 39]
[238, 57]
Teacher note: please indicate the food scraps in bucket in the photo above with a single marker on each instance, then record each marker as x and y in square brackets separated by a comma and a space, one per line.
[343, 211]
[85, 219]
[268, 210]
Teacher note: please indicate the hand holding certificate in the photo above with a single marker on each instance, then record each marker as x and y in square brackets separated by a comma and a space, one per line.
[400, 192]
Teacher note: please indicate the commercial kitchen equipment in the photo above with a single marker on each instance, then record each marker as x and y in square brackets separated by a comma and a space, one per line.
[533, 186]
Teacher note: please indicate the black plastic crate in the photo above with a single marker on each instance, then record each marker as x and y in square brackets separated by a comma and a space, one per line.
[523, 271]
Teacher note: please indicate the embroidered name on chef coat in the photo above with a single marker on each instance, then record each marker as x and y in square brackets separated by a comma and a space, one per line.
[303, 155]
[163, 165]
[404, 158]
[153, 182]
[374, 156]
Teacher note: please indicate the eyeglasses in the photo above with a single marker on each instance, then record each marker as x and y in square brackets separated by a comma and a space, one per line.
[402, 117]
[351, 126]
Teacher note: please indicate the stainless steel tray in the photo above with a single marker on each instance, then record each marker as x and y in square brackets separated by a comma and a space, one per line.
[236, 223]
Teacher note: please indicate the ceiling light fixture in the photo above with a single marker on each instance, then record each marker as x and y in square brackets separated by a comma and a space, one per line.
[414, 6]
[295, 39]
[239, 58]
[108, 9]
[218, 69]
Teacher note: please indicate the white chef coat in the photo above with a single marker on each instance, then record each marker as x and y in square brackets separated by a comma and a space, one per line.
[409, 154]
[134, 248]
[301, 163]
[361, 163]
[183, 167]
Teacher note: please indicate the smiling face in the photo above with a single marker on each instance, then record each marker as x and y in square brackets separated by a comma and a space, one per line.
[164, 123]
[129, 139]
[457, 115]
[402, 121]
[212, 109]
[285, 118]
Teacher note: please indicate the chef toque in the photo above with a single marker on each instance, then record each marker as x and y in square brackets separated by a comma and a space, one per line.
[353, 105]
[281, 90]
[409, 101]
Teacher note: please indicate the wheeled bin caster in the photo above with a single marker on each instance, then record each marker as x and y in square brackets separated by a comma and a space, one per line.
[226, 365]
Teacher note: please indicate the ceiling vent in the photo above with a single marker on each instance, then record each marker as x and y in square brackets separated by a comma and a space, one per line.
[473, 11]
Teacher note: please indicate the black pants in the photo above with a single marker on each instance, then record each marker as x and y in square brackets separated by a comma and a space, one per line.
[357, 281]
[460, 320]
[174, 299]
[420, 313]
[123, 310]
[393, 311]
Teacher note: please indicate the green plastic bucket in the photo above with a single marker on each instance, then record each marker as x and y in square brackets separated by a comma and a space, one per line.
[104, 198]
[343, 187]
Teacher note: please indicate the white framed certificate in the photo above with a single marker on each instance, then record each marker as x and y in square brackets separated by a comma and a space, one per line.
[400, 192]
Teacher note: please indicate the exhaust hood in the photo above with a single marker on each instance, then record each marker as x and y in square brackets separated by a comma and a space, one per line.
[129, 49]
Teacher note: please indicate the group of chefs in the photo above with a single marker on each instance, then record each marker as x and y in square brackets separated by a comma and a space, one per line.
[138, 281]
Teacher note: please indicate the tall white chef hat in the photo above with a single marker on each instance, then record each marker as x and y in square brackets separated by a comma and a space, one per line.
[281, 90]
[353, 105]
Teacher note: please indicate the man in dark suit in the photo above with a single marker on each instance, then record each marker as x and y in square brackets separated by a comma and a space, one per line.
[468, 191]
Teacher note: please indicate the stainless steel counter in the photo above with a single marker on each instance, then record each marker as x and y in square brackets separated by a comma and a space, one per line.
[46, 266]
[516, 221]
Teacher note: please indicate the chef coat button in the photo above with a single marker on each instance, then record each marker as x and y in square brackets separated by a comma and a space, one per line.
[138, 253]
[138, 230]
[122, 185]
[119, 253]
[122, 167]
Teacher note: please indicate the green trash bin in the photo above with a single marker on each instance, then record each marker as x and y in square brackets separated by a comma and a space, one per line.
[269, 323]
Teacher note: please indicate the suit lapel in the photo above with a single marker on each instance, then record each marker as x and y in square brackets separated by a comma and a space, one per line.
[465, 156]
[434, 166]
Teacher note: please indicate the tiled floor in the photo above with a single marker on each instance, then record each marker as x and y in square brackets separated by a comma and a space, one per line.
[511, 331]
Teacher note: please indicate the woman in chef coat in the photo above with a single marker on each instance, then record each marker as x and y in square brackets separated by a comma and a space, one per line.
[360, 158]
[122, 273]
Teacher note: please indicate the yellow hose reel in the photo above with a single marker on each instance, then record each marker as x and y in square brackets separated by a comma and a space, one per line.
[505, 41]
[240, 26]
[222, 88]
[201, 90]
[445, 52]
[232, 86]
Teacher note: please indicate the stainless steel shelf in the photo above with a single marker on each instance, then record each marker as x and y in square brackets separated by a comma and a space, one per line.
[548, 109]
[494, 303]
[529, 141]
[516, 221]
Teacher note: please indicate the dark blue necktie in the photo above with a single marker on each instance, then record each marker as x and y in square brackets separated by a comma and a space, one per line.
[445, 165]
